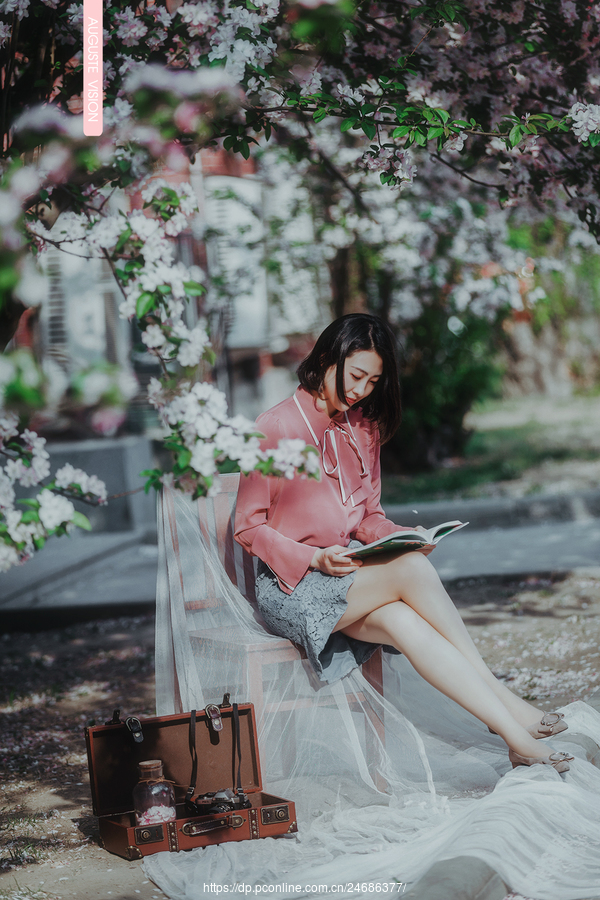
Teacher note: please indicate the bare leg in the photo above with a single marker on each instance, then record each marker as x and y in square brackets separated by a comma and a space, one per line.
[413, 579]
[444, 667]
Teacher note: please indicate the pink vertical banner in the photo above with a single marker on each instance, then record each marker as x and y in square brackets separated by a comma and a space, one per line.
[92, 67]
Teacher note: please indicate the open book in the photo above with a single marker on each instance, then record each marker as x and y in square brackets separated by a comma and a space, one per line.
[403, 541]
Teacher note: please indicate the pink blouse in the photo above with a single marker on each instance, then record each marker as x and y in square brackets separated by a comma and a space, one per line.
[283, 521]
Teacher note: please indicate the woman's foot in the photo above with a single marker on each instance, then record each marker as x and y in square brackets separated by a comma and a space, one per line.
[549, 725]
[556, 759]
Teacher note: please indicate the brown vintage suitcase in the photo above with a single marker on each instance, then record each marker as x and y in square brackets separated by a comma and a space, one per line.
[113, 757]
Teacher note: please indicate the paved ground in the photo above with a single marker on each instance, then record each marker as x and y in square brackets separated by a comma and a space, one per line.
[516, 621]
[539, 634]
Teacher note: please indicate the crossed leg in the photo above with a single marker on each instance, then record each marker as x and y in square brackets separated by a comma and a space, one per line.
[402, 602]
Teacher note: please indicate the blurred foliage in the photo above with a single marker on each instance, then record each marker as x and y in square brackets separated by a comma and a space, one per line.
[443, 375]
[501, 454]
[571, 283]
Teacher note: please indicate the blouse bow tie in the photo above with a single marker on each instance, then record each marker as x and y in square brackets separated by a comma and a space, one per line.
[342, 460]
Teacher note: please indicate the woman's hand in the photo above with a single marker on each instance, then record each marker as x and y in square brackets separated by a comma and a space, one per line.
[330, 561]
[426, 548]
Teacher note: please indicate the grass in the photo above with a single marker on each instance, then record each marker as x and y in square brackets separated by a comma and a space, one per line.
[501, 454]
[20, 847]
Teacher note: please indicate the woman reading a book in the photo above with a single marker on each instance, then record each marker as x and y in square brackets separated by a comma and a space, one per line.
[338, 608]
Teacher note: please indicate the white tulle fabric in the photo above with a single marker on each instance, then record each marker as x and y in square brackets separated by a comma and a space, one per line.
[384, 785]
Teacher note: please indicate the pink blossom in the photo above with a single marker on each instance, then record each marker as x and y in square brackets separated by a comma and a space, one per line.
[131, 27]
[107, 420]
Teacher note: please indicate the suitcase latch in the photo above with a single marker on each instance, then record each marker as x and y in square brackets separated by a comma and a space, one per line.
[149, 834]
[270, 815]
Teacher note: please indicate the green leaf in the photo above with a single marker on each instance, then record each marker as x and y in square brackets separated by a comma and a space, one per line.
[81, 521]
[144, 303]
[34, 504]
[194, 288]
[183, 458]
[516, 133]
[319, 114]
[125, 235]
[347, 124]
[153, 476]
[434, 132]
[420, 138]
[227, 467]
[400, 131]
[369, 129]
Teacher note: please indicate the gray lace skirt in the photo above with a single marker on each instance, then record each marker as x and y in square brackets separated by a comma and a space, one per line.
[308, 616]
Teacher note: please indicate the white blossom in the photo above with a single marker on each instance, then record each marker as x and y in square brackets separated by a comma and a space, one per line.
[9, 426]
[105, 233]
[155, 393]
[18, 532]
[144, 226]
[19, 7]
[75, 14]
[455, 143]
[10, 208]
[200, 17]
[194, 345]
[55, 510]
[203, 459]
[586, 119]
[153, 337]
[94, 385]
[90, 484]
[127, 383]
[345, 92]
[288, 456]
[7, 494]
[8, 557]
[176, 224]
[35, 443]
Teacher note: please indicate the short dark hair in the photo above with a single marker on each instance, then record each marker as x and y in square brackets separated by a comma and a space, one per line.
[348, 335]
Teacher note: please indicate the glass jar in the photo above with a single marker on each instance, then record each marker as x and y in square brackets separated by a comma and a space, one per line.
[153, 796]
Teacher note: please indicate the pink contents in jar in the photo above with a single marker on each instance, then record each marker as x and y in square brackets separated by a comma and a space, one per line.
[157, 814]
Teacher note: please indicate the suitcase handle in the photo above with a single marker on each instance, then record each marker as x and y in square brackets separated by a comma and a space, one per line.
[194, 828]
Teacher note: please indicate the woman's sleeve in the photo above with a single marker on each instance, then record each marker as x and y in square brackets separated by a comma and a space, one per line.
[288, 559]
[374, 524]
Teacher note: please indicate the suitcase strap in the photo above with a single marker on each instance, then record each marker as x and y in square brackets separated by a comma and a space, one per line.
[194, 754]
[237, 748]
